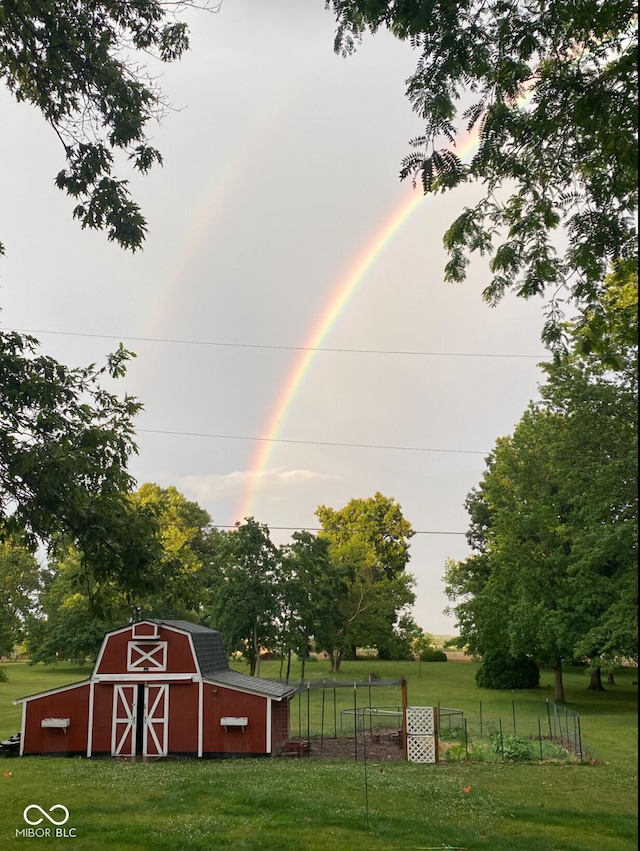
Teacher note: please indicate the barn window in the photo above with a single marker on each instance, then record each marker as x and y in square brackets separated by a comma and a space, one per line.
[147, 656]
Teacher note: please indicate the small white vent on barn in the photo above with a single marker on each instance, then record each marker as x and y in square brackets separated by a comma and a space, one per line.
[240, 721]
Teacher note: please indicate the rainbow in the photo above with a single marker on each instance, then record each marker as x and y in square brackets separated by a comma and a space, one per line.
[335, 306]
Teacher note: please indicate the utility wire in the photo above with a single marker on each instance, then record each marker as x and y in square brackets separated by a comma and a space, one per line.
[277, 347]
[319, 529]
[312, 442]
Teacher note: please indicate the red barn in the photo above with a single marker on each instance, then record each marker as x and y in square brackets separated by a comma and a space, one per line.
[158, 688]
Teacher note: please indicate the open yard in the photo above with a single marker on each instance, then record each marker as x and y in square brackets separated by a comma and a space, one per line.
[330, 803]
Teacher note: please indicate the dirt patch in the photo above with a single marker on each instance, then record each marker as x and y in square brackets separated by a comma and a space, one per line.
[383, 747]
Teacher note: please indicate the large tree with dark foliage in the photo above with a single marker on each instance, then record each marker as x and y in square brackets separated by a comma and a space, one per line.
[553, 572]
[550, 89]
[81, 65]
[65, 443]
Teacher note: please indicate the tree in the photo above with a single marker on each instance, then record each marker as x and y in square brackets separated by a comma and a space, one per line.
[308, 587]
[70, 623]
[551, 92]
[369, 546]
[65, 443]
[79, 63]
[596, 391]
[19, 584]
[76, 607]
[241, 598]
[554, 521]
[186, 540]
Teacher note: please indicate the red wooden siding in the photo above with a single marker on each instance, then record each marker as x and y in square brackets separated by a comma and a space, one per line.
[220, 702]
[102, 716]
[183, 718]
[72, 703]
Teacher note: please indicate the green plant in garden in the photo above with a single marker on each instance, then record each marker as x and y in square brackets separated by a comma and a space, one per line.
[512, 747]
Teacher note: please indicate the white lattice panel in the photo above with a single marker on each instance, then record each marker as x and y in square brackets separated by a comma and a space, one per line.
[421, 720]
[421, 734]
[421, 749]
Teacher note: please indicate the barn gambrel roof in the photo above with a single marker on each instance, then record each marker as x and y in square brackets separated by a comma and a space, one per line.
[214, 666]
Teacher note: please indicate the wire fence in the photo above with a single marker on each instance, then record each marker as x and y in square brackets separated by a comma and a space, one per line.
[555, 733]
[331, 709]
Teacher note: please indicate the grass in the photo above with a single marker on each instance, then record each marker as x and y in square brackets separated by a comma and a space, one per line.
[295, 805]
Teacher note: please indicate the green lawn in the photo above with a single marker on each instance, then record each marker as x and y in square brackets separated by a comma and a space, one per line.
[303, 804]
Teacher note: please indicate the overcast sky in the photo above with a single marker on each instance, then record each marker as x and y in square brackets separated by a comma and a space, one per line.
[280, 174]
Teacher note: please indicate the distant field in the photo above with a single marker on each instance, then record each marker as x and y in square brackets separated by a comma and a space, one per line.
[307, 805]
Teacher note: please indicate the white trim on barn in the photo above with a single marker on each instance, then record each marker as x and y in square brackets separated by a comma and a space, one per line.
[50, 692]
[90, 718]
[269, 726]
[147, 655]
[147, 677]
[200, 714]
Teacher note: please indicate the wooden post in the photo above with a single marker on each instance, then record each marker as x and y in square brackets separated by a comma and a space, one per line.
[405, 749]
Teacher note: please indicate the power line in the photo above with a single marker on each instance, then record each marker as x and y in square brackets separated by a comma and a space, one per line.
[319, 529]
[312, 442]
[218, 344]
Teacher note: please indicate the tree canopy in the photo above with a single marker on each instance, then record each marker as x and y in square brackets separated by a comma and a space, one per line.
[65, 442]
[81, 65]
[241, 600]
[554, 521]
[550, 92]
[75, 607]
[369, 545]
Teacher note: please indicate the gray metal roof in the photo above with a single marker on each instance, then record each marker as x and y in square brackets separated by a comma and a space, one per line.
[256, 685]
[207, 644]
[214, 665]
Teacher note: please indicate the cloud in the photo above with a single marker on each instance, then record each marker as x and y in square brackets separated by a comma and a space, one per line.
[233, 486]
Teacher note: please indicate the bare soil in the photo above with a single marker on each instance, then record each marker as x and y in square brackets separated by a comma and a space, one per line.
[383, 747]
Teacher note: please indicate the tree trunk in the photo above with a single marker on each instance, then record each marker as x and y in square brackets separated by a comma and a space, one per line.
[558, 683]
[288, 667]
[595, 681]
[282, 663]
[610, 680]
[302, 669]
[256, 652]
[336, 659]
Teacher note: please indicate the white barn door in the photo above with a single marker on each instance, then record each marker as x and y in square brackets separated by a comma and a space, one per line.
[123, 726]
[156, 720]
[140, 724]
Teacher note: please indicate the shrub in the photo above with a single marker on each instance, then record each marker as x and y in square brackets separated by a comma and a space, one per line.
[3, 675]
[512, 747]
[500, 670]
[432, 654]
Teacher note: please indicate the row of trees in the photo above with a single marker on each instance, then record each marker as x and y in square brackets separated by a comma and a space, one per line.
[346, 586]
[553, 533]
